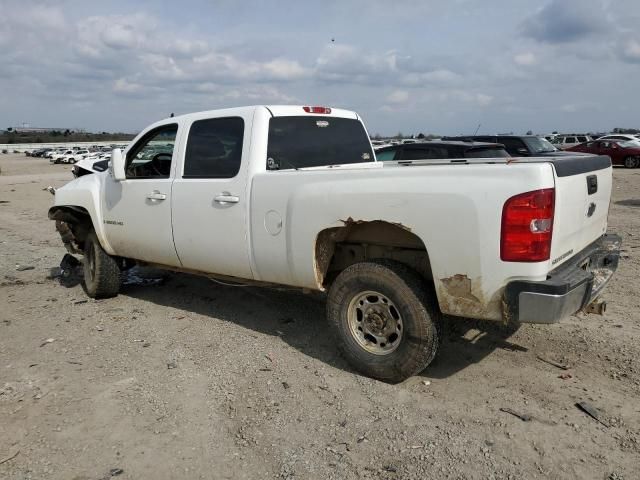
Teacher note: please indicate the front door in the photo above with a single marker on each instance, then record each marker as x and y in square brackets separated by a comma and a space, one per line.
[137, 210]
[210, 198]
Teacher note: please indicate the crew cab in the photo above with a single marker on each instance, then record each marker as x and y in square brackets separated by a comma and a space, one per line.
[293, 195]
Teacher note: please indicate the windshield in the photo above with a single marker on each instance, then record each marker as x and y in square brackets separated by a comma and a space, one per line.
[315, 141]
[539, 145]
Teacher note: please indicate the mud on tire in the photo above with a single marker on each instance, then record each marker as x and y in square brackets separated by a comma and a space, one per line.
[101, 271]
[385, 319]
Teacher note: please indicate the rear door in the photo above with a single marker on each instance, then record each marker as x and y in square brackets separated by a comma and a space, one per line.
[583, 192]
[210, 197]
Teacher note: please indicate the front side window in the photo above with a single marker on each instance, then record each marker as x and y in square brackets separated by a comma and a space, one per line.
[570, 140]
[214, 148]
[315, 141]
[151, 156]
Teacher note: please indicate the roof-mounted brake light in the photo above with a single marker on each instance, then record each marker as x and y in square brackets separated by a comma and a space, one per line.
[325, 110]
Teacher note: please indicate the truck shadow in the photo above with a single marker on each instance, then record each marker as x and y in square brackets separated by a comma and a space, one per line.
[299, 320]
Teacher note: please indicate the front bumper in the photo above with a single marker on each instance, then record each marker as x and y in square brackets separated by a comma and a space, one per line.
[568, 289]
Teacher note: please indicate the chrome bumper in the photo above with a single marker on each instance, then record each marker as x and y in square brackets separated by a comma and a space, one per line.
[568, 289]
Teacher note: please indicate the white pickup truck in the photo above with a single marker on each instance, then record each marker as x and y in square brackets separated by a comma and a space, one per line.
[293, 195]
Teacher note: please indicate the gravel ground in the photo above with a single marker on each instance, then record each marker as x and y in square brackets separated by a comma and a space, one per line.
[179, 377]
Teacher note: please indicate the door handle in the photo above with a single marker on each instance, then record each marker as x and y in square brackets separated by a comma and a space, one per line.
[226, 198]
[156, 195]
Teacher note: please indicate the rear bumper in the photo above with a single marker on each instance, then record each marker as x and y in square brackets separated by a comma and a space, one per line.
[568, 289]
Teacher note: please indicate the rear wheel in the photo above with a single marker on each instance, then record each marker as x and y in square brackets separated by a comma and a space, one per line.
[386, 322]
[631, 162]
[101, 271]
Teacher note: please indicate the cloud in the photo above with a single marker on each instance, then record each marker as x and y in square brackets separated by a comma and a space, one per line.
[630, 50]
[398, 96]
[131, 64]
[561, 21]
[126, 87]
[347, 63]
[525, 59]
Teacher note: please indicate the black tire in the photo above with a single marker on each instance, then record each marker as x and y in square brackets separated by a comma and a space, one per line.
[408, 293]
[631, 162]
[101, 271]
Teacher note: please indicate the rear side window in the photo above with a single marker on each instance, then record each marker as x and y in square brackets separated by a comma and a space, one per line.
[491, 152]
[424, 153]
[214, 148]
[512, 145]
[314, 141]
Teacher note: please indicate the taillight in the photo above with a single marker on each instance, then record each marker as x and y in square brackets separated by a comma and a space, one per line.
[326, 110]
[527, 225]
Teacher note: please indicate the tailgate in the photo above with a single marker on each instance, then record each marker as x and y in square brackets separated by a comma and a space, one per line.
[583, 192]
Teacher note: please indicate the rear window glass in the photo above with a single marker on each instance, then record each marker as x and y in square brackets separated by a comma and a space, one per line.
[486, 153]
[214, 148]
[299, 142]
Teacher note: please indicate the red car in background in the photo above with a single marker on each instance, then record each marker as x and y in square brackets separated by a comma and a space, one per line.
[621, 152]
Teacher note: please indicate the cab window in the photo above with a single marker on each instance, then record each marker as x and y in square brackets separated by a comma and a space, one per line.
[151, 156]
[214, 148]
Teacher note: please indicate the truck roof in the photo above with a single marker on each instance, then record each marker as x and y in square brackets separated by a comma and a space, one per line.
[275, 110]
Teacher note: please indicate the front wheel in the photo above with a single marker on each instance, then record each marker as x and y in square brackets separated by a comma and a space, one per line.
[631, 162]
[101, 271]
[386, 322]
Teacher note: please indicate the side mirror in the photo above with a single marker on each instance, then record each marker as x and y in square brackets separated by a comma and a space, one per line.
[117, 165]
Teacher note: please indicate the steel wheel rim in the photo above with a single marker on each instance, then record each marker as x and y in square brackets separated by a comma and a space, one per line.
[375, 322]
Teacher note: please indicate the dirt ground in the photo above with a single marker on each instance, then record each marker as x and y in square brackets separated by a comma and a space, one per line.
[191, 379]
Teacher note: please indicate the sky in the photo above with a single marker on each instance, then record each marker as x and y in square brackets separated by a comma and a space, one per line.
[410, 66]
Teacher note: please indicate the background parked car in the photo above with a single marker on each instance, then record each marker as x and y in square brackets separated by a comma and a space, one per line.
[565, 142]
[517, 145]
[621, 152]
[59, 156]
[76, 156]
[441, 150]
[622, 136]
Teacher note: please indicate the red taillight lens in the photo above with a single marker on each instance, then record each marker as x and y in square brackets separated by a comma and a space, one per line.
[326, 110]
[527, 225]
